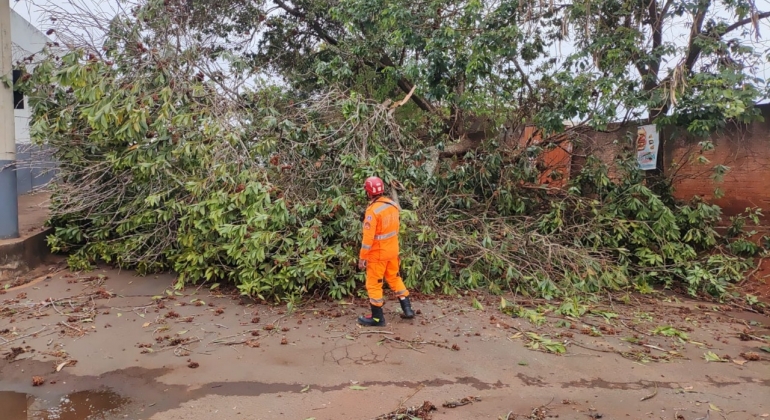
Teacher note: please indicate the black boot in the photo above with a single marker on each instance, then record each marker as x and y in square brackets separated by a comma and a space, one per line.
[376, 319]
[406, 306]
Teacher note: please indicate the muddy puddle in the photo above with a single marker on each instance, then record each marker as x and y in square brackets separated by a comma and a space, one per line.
[83, 405]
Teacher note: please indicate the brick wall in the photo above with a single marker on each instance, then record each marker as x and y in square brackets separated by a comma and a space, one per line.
[608, 146]
[744, 149]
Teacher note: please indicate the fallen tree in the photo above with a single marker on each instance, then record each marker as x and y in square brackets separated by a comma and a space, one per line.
[170, 160]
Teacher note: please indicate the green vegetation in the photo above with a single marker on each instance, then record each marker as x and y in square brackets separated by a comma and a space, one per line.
[171, 159]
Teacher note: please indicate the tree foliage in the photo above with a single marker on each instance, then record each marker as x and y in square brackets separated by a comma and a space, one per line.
[690, 62]
[174, 155]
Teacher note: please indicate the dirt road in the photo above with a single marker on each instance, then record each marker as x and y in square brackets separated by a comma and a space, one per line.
[144, 354]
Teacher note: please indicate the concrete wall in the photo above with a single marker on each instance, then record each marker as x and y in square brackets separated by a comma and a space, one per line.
[34, 164]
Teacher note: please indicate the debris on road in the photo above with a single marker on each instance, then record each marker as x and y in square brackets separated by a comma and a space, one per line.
[15, 351]
[461, 402]
[422, 412]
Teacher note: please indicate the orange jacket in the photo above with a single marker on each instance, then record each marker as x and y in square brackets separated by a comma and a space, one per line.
[381, 224]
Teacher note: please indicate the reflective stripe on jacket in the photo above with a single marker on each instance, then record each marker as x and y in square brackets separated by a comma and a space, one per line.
[380, 242]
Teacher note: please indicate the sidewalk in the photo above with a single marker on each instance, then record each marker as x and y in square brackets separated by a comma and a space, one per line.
[20, 255]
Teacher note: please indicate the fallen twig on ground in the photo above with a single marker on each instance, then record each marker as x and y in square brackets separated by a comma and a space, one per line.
[589, 348]
[422, 412]
[178, 346]
[71, 327]
[648, 397]
[401, 404]
[461, 402]
[407, 344]
[24, 336]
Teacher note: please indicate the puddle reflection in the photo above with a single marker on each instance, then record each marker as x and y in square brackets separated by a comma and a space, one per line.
[82, 405]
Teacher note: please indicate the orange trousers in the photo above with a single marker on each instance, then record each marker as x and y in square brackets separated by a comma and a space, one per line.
[376, 272]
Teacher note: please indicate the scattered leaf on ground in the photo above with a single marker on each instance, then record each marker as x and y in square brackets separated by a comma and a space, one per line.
[536, 342]
[183, 332]
[713, 357]
[477, 304]
[358, 388]
[765, 348]
[669, 331]
[523, 363]
[715, 408]
[145, 325]
[120, 314]
[306, 389]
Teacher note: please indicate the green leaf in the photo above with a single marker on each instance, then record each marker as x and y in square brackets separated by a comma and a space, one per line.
[548, 345]
[713, 357]
[305, 389]
[358, 388]
[8, 82]
[765, 348]
[477, 305]
[523, 363]
[669, 331]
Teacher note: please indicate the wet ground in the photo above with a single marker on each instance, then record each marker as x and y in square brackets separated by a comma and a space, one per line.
[110, 345]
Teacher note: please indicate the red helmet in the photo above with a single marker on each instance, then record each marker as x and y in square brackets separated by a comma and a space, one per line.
[374, 186]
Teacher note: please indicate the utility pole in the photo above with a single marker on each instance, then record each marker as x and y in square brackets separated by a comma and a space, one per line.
[9, 205]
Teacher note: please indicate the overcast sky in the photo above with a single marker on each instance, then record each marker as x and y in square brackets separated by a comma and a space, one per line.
[34, 10]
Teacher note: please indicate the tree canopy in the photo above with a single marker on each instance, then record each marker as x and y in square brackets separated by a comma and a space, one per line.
[687, 61]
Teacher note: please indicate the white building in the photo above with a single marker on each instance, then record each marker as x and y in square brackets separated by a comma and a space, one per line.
[26, 40]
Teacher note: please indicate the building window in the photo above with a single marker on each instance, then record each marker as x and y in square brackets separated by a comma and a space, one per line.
[18, 97]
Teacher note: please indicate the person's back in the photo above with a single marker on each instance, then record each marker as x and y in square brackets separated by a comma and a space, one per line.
[382, 220]
[379, 253]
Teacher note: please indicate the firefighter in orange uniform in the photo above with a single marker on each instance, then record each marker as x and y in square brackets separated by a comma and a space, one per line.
[379, 253]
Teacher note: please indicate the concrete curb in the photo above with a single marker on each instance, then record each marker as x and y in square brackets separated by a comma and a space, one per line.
[19, 256]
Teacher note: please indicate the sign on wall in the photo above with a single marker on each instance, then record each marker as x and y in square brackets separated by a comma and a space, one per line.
[647, 145]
